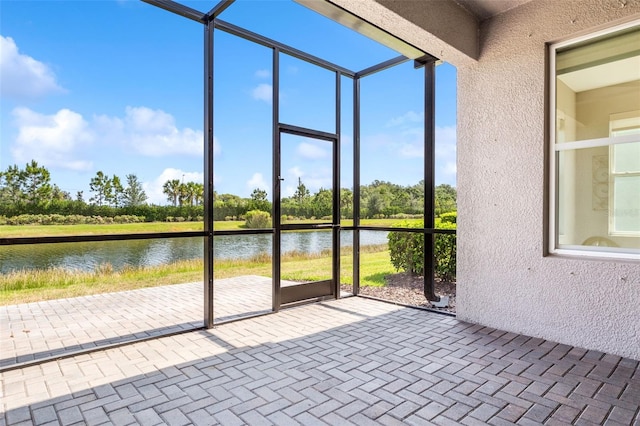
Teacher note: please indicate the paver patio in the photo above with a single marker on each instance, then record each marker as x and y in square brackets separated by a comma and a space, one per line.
[351, 361]
[34, 331]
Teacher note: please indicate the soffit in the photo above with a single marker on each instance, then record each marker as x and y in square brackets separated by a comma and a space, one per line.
[484, 9]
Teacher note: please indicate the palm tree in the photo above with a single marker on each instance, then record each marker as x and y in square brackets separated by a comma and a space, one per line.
[171, 189]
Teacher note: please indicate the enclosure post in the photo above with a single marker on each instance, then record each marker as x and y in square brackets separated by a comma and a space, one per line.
[429, 177]
[208, 174]
[335, 229]
[277, 180]
[356, 185]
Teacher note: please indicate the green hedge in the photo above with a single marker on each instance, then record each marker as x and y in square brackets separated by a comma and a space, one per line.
[74, 219]
[407, 249]
[257, 219]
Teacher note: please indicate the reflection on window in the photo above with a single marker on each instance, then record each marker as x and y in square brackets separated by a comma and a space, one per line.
[597, 145]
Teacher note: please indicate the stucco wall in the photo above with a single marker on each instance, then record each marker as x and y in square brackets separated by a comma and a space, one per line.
[504, 280]
[439, 27]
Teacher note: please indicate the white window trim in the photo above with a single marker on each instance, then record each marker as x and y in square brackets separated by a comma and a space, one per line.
[626, 120]
[554, 149]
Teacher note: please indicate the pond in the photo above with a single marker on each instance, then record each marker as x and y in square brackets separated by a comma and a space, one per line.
[87, 256]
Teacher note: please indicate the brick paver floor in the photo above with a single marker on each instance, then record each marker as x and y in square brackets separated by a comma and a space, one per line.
[33, 331]
[350, 361]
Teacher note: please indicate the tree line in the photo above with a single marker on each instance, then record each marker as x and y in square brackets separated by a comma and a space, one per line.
[29, 190]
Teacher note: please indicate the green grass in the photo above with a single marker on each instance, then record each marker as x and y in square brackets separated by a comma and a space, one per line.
[14, 231]
[37, 285]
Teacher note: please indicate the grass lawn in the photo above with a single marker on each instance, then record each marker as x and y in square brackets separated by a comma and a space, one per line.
[14, 231]
[34, 286]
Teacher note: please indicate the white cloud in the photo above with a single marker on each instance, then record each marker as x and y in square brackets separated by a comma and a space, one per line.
[152, 133]
[409, 143]
[316, 179]
[263, 92]
[409, 117]
[263, 73]
[21, 76]
[53, 140]
[60, 140]
[310, 151]
[446, 168]
[450, 169]
[445, 141]
[257, 181]
[153, 189]
[410, 150]
[296, 172]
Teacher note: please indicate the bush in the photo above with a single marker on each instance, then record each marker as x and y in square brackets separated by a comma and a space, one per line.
[257, 219]
[407, 250]
[72, 219]
[451, 217]
[445, 253]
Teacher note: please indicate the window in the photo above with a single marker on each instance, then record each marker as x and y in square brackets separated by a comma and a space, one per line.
[595, 144]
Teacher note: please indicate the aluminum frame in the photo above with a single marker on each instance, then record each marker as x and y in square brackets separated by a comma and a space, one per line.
[210, 23]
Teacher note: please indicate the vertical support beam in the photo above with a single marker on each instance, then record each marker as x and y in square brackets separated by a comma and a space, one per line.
[429, 177]
[356, 185]
[335, 229]
[208, 174]
[277, 180]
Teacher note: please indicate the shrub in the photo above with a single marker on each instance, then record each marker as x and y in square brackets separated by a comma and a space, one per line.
[445, 253]
[257, 219]
[451, 217]
[407, 250]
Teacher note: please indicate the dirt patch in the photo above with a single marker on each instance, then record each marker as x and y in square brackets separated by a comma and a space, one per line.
[409, 289]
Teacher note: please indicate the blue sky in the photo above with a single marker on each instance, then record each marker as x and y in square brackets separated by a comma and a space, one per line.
[117, 86]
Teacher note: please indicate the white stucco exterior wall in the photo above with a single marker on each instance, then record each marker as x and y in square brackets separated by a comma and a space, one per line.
[504, 280]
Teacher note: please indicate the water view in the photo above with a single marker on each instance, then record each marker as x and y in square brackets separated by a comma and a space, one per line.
[137, 253]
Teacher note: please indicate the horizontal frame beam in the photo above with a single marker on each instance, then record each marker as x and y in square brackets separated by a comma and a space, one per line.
[310, 133]
[382, 66]
[103, 237]
[180, 9]
[283, 48]
[219, 8]
[391, 229]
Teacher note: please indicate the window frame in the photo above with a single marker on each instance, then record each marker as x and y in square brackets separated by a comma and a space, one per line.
[634, 118]
[554, 148]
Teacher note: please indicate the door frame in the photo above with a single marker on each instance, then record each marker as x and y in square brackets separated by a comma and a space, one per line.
[317, 290]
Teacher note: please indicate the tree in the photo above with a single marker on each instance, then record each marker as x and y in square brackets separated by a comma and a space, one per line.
[59, 194]
[171, 189]
[11, 185]
[445, 199]
[323, 203]
[133, 194]
[190, 193]
[117, 192]
[346, 202]
[100, 185]
[200, 194]
[259, 201]
[302, 193]
[36, 183]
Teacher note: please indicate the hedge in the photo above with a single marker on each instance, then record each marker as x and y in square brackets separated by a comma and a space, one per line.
[74, 219]
[407, 249]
